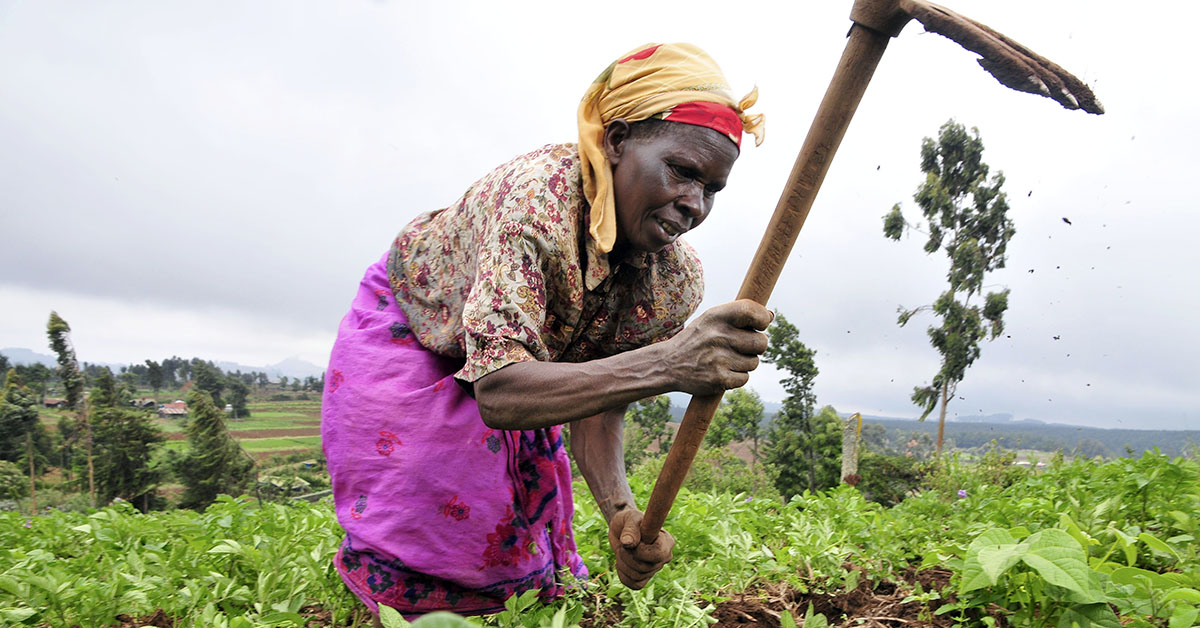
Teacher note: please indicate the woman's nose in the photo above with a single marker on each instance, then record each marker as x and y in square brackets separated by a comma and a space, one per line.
[691, 201]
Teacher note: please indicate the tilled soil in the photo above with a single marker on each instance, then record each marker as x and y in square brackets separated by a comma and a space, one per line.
[878, 604]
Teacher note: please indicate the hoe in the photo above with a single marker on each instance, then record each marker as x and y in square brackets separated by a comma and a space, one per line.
[874, 23]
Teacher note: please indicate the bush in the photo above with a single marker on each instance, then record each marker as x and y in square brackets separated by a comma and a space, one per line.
[716, 471]
[13, 483]
[994, 468]
[887, 480]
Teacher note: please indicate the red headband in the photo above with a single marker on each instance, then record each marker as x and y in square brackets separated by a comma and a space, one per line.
[718, 117]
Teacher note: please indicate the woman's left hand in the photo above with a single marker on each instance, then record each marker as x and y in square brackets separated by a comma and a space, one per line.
[637, 562]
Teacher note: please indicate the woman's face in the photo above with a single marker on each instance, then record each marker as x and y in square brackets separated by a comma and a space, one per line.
[665, 183]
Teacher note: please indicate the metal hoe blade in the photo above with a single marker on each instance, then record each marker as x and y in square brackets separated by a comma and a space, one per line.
[1009, 62]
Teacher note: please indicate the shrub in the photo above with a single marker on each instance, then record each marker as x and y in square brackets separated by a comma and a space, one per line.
[887, 480]
[13, 483]
[716, 471]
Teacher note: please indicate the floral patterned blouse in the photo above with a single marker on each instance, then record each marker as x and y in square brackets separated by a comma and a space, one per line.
[509, 273]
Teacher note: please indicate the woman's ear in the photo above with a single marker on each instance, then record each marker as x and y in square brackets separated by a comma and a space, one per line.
[616, 134]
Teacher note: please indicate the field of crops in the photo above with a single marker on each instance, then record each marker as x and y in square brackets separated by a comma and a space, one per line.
[1080, 544]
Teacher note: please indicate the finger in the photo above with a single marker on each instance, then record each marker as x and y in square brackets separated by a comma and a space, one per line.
[752, 315]
[742, 363]
[735, 380]
[738, 314]
[637, 568]
[630, 535]
[632, 582]
[746, 342]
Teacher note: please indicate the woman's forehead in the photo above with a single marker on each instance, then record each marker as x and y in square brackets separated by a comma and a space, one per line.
[698, 143]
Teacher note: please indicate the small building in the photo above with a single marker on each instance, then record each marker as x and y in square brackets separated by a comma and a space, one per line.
[144, 403]
[173, 410]
[54, 402]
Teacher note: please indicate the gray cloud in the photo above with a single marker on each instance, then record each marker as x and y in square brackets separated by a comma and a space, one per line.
[232, 168]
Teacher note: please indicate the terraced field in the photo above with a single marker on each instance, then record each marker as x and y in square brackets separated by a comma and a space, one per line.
[273, 427]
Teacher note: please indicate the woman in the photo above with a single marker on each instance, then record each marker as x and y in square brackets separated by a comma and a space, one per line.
[553, 292]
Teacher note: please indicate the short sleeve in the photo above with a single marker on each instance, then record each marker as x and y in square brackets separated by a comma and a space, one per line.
[506, 307]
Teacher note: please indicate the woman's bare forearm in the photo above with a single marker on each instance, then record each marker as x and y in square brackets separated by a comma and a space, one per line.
[530, 395]
[597, 445]
[713, 354]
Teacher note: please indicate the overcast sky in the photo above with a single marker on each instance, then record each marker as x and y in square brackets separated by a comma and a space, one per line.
[211, 179]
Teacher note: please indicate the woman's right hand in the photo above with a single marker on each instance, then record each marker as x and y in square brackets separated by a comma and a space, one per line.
[719, 349]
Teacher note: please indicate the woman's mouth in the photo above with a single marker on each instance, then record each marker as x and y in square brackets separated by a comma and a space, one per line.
[671, 229]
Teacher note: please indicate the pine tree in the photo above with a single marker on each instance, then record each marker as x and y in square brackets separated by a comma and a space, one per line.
[18, 418]
[803, 446]
[210, 379]
[967, 216]
[214, 463]
[126, 442]
[72, 380]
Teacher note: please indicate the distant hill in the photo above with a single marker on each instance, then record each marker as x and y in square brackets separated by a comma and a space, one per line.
[291, 367]
[1032, 434]
[18, 355]
[25, 356]
[976, 431]
[680, 401]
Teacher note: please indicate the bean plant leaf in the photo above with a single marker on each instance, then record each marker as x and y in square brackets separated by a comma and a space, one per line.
[1191, 596]
[814, 620]
[1088, 615]
[974, 576]
[1183, 616]
[443, 619]
[996, 560]
[20, 615]
[1060, 560]
[1143, 579]
[1157, 545]
[391, 618]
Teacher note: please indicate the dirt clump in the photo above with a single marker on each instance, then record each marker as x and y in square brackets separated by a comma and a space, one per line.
[877, 604]
[157, 619]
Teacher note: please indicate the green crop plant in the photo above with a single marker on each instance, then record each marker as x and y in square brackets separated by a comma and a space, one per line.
[1066, 546]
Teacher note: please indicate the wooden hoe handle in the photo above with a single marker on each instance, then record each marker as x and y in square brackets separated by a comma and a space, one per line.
[863, 51]
[875, 21]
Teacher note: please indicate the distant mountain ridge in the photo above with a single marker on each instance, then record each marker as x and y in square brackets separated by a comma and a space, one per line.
[290, 367]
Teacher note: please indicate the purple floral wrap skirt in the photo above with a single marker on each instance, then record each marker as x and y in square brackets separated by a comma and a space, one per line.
[440, 511]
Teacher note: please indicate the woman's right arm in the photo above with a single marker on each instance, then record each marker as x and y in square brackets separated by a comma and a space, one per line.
[713, 354]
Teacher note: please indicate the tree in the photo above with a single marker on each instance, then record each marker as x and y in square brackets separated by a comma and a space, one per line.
[154, 376]
[738, 418]
[126, 442]
[72, 380]
[238, 392]
[803, 446]
[646, 421]
[23, 439]
[18, 418]
[967, 216]
[4, 366]
[214, 463]
[210, 379]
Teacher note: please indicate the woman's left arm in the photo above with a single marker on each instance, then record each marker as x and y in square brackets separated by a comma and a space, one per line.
[598, 448]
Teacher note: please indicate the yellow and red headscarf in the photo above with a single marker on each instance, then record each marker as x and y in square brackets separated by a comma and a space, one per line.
[676, 82]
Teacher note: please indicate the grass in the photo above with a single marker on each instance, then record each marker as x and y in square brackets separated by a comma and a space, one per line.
[281, 444]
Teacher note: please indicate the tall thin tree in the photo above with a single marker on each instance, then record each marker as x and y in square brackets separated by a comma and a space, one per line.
[967, 216]
[72, 380]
